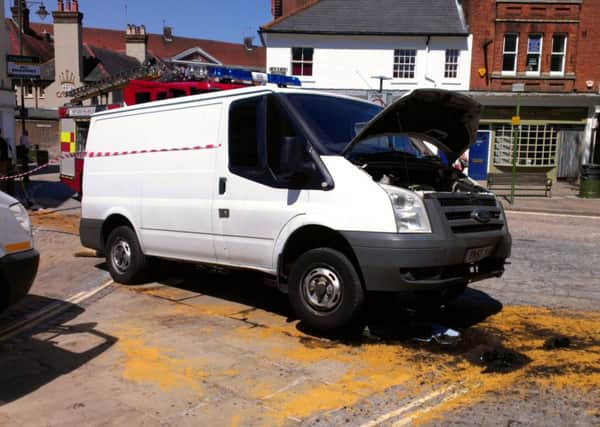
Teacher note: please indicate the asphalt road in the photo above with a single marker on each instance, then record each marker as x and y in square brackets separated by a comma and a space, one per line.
[210, 348]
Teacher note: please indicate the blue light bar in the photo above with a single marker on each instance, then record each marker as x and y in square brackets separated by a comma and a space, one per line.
[280, 80]
[236, 75]
[239, 74]
[229, 73]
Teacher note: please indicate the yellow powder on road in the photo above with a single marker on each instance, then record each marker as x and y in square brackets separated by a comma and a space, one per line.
[149, 364]
[68, 223]
[348, 373]
[371, 368]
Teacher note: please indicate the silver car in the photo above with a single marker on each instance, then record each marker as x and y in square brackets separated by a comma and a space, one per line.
[18, 258]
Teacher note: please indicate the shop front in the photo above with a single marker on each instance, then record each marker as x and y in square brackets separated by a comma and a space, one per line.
[555, 134]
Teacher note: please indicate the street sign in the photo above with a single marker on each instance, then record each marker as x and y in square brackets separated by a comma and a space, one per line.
[518, 87]
[23, 67]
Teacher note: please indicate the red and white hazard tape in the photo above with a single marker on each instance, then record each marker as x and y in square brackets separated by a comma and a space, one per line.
[84, 154]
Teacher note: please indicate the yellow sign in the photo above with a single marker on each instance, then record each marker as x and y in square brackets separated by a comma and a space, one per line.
[516, 120]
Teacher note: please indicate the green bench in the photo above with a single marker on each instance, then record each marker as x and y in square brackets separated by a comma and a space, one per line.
[524, 181]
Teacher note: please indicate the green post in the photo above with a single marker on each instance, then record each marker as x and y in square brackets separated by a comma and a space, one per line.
[515, 149]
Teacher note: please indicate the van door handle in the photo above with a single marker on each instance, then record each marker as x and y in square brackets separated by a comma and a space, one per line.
[222, 185]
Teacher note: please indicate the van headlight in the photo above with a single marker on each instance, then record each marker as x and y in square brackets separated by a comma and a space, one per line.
[22, 217]
[409, 210]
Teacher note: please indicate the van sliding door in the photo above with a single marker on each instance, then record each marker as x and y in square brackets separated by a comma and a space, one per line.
[178, 186]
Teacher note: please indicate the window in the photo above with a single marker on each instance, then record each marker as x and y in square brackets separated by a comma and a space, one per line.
[257, 128]
[245, 139]
[333, 121]
[412, 145]
[142, 97]
[177, 93]
[559, 48]
[302, 61]
[534, 52]
[28, 90]
[509, 54]
[404, 63]
[537, 145]
[451, 66]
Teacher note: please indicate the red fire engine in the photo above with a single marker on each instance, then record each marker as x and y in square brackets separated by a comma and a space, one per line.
[75, 121]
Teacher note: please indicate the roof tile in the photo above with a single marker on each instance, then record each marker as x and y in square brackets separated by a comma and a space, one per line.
[402, 17]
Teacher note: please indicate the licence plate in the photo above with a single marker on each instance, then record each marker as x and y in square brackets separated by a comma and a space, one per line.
[477, 254]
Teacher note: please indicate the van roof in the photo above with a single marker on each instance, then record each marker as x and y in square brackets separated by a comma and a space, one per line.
[217, 95]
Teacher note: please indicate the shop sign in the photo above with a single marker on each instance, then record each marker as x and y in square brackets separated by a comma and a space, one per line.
[23, 67]
[81, 111]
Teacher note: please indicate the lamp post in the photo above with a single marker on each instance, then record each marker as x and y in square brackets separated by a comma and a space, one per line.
[516, 122]
[43, 14]
[381, 79]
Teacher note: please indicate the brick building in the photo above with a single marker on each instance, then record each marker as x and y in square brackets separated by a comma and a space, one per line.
[553, 48]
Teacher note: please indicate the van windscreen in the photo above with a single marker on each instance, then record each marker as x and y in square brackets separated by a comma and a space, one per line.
[335, 121]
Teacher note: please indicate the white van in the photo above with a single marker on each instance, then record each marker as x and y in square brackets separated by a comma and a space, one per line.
[333, 196]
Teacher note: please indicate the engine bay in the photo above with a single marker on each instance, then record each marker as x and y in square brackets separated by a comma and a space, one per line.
[418, 174]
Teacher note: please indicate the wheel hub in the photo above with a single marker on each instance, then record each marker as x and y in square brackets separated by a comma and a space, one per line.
[322, 289]
[121, 256]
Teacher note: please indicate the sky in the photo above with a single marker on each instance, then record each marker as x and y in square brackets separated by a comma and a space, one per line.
[227, 20]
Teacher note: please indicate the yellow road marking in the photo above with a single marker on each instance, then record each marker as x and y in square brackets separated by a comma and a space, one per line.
[49, 311]
[410, 418]
[408, 407]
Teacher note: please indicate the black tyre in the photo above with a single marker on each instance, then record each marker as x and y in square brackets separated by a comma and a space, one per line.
[126, 262]
[325, 290]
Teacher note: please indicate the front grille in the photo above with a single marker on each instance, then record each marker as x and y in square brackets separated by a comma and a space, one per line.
[461, 211]
[467, 201]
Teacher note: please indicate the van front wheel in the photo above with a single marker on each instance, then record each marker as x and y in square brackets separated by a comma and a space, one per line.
[126, 262]
[325, 290]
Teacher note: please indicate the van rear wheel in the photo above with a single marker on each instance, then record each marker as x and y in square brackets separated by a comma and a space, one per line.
[325, 290]
[126, 262]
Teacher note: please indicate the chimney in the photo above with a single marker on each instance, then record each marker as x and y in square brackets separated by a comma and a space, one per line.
[276, 8]
[167, 33]
[248, 43]
[289, 6]
[25, 12]
[68, 52]
[136, 42]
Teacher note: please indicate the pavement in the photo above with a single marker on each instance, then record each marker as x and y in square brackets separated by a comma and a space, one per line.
[565, 200]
